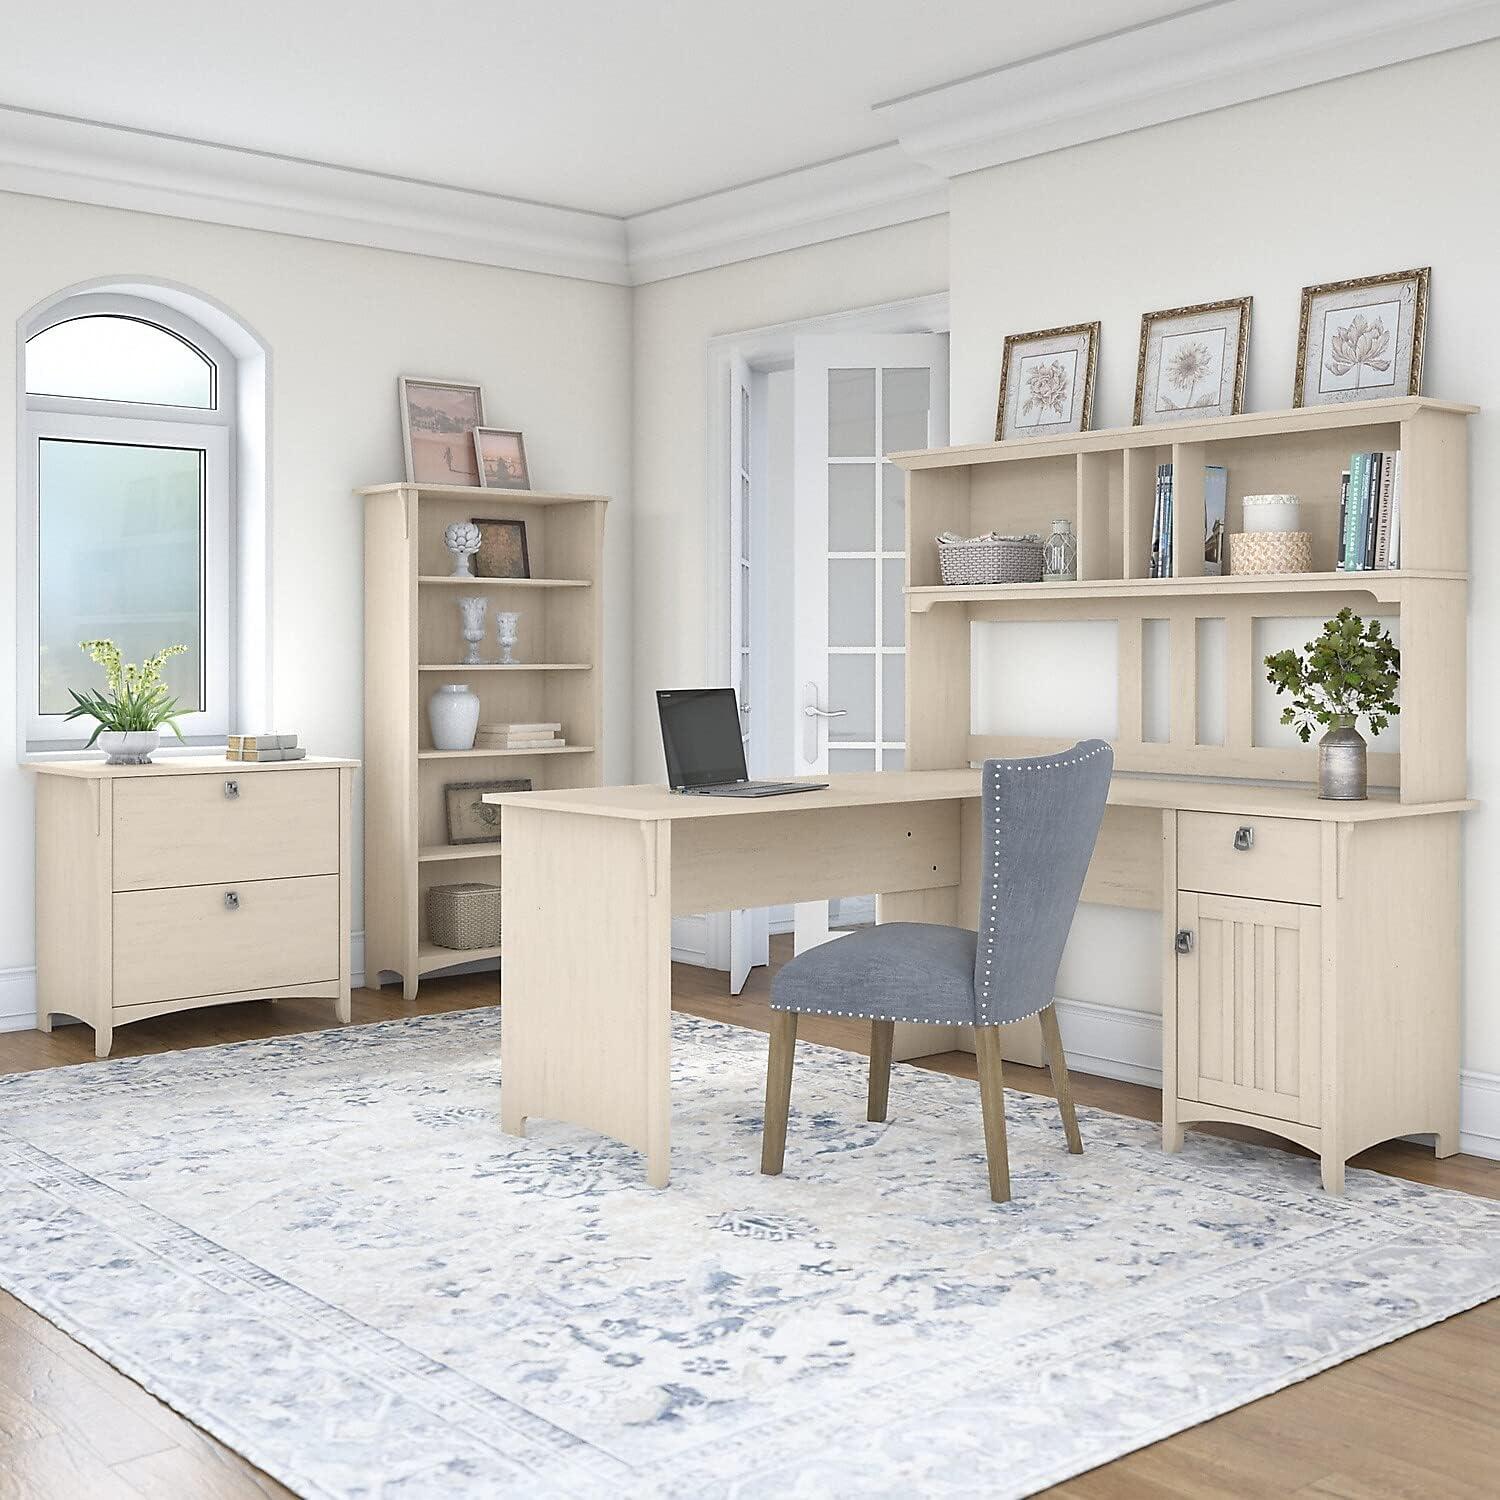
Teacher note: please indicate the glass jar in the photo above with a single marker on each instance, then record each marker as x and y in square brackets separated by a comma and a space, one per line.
[1060, 555]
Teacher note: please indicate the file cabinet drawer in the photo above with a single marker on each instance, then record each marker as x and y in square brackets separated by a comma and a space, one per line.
[225, 939]
[202, 830]
[1272, 859]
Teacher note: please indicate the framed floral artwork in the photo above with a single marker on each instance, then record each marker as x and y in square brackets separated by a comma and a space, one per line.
[1360, 340]
[438, 418]
[1047, 382]
[1192, 361]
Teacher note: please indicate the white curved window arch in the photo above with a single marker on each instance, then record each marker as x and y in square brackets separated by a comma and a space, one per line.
[127, 521]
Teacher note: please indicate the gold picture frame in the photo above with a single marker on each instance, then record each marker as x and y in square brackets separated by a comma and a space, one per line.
[1049, 371]
[1189, 349]
[1362, 341]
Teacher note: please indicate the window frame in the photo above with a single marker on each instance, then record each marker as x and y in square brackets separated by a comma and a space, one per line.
[89, 419]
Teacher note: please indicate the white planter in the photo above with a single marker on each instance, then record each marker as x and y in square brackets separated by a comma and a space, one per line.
[129, 747]
[453, 715]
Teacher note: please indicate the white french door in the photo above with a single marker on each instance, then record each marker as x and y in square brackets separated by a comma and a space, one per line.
[749, 934]
[857, 400]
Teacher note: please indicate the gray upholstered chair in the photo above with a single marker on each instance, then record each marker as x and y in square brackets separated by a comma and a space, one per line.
[1040, 820]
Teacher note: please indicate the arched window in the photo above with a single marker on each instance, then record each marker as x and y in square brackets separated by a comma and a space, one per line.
[127, 525]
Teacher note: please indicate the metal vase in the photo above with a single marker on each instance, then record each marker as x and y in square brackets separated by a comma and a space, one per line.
[1343, 773]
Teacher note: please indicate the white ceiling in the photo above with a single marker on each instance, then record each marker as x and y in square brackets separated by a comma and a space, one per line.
[612, 106]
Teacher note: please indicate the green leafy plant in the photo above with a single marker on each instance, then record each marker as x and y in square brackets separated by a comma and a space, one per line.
[1350, 669]
[136, 699]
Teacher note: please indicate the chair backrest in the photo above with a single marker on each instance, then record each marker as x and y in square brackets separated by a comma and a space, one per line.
[1041, 819]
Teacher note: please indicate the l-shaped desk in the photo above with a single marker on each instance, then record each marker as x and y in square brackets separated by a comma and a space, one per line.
[1310, 949]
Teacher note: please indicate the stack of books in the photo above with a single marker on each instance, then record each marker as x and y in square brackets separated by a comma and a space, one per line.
[519, 737]
[264, 747]
[1215, 493]
[1370, 513]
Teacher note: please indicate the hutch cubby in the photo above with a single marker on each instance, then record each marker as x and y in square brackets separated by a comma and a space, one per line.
[413, 644]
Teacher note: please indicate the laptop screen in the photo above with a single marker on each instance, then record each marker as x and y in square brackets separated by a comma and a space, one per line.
[700, 733]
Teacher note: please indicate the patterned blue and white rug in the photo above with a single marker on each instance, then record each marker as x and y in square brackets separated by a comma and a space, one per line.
[322, 1250]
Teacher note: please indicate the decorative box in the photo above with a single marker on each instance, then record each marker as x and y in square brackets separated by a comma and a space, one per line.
[992, 559]
[466, 915]
[1271, 513]
[1270, 552]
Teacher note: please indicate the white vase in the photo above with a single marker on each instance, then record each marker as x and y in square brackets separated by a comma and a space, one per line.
[453, 715]
[472, 608]
[507, 631]
[129, 747]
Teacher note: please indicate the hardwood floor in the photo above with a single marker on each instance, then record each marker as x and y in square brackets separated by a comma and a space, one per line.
[1415, 1420]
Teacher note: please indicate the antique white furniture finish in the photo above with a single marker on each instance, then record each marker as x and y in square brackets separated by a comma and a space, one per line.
[193, 881]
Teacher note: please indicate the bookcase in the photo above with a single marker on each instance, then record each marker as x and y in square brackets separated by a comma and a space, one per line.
[413, 644]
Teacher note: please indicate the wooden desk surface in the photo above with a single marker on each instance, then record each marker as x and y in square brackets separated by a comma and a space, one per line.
[883, 788]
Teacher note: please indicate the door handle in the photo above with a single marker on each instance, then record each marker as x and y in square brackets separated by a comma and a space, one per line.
[231, 790]
[811, 714]
[231, 900]
[1244, 837]
[1184, 941]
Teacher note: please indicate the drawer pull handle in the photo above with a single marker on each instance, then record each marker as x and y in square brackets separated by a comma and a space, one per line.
[231, 900]
[1244, 837]
[1184, 941]
[231, 790]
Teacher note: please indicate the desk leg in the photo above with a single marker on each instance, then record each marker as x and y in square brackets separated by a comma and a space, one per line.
[586, 1001]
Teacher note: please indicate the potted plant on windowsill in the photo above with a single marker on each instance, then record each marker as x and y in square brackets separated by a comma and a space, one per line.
[1350, 669]
[131, 713]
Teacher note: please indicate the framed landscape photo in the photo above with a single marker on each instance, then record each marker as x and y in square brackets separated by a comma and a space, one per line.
[1360, 340]
[438, 418]
[1047, 382]
[470, 820]
[502, 459]
[502, 549]
[1192, 361]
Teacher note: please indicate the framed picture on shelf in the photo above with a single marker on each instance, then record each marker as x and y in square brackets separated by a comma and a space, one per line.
[1362, 339]
[502, 459]
[1192, 361]
[1047, 382]
[438, 418]
[471, 820]
[502, 549]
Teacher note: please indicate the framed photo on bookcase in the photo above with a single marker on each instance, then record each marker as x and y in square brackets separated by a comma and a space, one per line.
[1192, 361]
[1361, 340]
[1047, 382]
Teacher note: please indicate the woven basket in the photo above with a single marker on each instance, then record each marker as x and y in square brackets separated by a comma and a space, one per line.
[1270, 552]
[1012, 559]
[464, 916]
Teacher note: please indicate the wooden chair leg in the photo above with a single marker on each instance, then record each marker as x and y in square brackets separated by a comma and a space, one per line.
[1062, 1085]
[992, 1101]
[882, 1037]
[778, 1090]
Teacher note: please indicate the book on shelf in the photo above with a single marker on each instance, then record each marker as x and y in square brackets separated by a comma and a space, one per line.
[1370, 513]
[1215, 512]
[263, 747]
[519, 736]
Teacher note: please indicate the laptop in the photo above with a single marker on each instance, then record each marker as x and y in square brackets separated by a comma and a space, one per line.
[700, 732]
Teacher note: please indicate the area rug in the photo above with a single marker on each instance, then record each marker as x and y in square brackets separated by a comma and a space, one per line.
[322, 1250]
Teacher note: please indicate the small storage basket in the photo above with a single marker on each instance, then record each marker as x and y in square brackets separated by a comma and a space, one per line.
[464, 916]
[1006, 559]
[1270, 552]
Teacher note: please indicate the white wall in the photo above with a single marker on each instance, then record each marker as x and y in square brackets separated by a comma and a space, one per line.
[674, 321]
[341, 323]
[1369, 174]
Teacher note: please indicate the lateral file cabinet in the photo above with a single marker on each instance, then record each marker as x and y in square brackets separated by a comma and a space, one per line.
[194, 881]
[1311, 976]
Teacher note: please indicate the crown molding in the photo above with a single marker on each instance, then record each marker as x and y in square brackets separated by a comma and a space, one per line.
[52, 156]
[850, 195]
[1215, 55]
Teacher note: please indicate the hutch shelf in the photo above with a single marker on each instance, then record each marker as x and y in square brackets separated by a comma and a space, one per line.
[413, 645]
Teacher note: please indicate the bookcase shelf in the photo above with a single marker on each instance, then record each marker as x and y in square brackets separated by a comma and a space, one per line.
[413, 642]
[1104, 482]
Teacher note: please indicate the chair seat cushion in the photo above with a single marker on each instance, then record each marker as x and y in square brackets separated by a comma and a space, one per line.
[896, 971]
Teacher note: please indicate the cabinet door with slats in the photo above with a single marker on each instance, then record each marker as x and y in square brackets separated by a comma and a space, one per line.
[1249, 1005]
